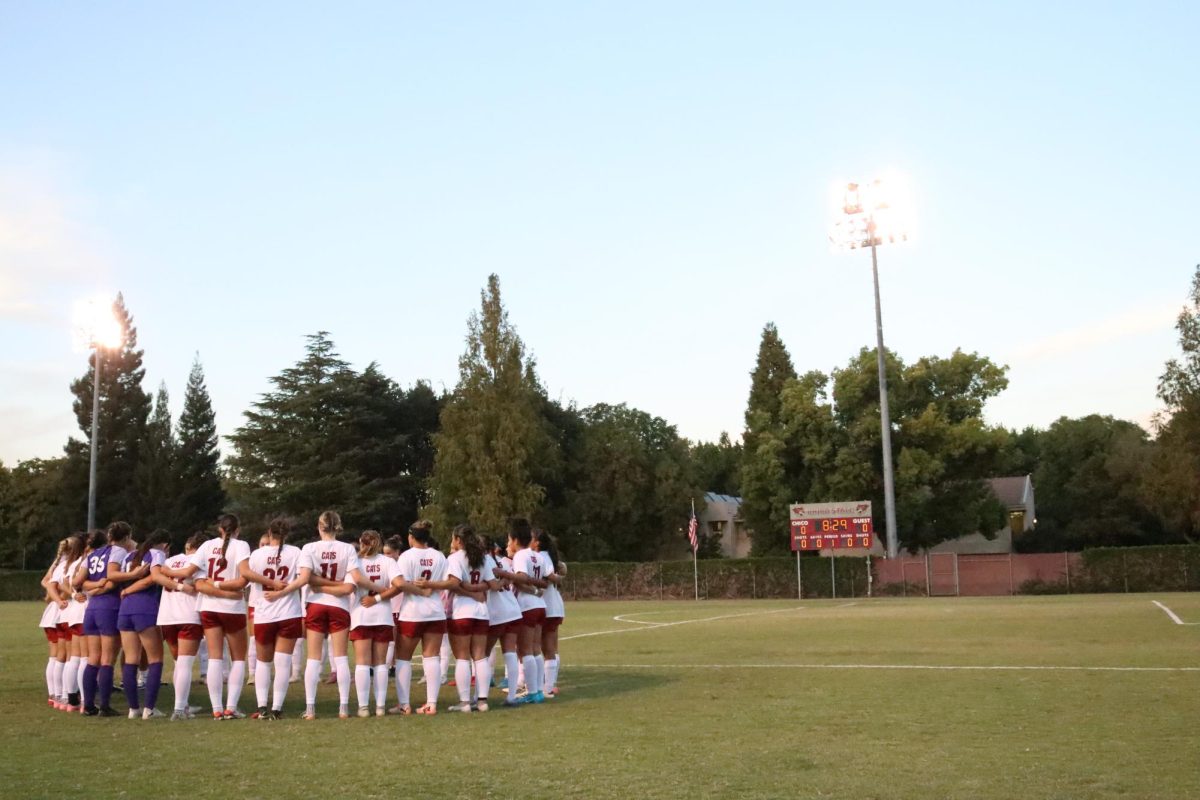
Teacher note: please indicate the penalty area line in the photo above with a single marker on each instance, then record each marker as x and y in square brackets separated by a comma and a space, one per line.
[649, 626]
[942, 667]
[1174, 617]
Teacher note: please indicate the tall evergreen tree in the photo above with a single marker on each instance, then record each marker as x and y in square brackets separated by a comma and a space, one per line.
[124, 410]
[157, 485]
[764, 484]
[495, 440]
[200, 497]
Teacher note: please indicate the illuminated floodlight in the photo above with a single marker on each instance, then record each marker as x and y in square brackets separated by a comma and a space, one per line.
[870, 214]
[94, 325]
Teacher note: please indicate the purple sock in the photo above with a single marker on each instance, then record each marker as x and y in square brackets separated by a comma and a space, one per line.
[105, 679]
[89, 685]
[129, 684]
[153, 681]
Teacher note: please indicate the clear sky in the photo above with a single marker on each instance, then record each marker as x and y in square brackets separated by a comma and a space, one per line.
[650, 180]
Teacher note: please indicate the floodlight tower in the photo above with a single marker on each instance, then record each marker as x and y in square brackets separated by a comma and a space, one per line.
[96, 329]
[867, 216]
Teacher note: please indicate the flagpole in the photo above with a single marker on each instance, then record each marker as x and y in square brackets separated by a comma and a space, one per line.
[695, 564]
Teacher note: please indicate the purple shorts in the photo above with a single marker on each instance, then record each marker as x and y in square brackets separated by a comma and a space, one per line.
[100, 621]
[136, 622]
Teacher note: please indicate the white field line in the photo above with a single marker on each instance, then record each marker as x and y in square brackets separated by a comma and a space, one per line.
[965, 668]
[652, 626]
[1174, 617]
[847, 605]
[625, 618]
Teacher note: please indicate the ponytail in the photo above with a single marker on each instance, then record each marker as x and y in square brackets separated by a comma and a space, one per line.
[471, 543]
[369, 544]
[228, 525]
[278, 530]
[549, 547]
[159, 536]
[422, 531]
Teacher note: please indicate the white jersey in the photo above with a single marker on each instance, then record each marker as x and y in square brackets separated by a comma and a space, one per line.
[502, 603]
[73, 615]
[457, 566]
[553, 598]
[417, 563]
[52, 614]
[526, 561]
[179, 608]
[397, 599]
[332, 560]
[208, 558]
[379, 570]
[278, 564]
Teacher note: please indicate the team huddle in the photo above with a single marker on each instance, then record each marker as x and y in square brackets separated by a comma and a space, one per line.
[108, 594]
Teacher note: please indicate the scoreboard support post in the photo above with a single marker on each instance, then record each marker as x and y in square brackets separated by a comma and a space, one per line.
[799, 580]
[833, 575]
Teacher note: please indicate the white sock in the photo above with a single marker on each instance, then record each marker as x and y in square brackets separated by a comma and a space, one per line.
[551, 674]
[381, 683]
[326, 659]
[342, 665]
[511, 668]
[521, 673]
[237, 678]
[297, 660]
[183, 681]
[283, 673]
[483, 678]
[51, 684]
[262, 682]
[60, 667]
[226, 664]
[391, 654]
[540, 660]
[312, 677]
[529, 669]
[215, 683]
[203, 656]
[79, 663]
[433, 679]
[444, 656]
[250, 651]
[362, 684]
[491, 659]
[403, 681]
[68, 679]
[462, 679]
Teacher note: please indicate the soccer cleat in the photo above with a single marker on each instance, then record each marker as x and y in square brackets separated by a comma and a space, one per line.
[513, 703]
[70, 709]
[421, 679]
[233, 713]
[135, 713]
[553, 692]
[108, 711]
[482, 705]
[451, 682]
[193, 711]
[275, 714]
[260, 714]
[364, 712]
[343, 712]
[404, 710]
[90, 711]
[463, 707]
[309, 714]
[427, 710]
[218, 716]
[379, 712]
[50, 702]
[538, 697]
[503, 684]
[152, 713]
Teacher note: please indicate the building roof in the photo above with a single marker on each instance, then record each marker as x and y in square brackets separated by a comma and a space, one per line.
[713, 497]
[1011, 491]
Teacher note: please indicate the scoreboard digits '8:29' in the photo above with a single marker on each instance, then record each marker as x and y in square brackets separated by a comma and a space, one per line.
[832, 532]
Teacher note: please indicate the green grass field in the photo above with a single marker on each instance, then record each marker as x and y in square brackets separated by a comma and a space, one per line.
[737, 700]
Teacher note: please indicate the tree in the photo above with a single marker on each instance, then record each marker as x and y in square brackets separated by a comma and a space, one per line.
[495, 446]
[765, 491]
[633, 494]
[157, 486]
[716, 466]
[944, 452]
[1171, 484]
[124, 410]
[32, 518]
[328, 437]
[200, 497]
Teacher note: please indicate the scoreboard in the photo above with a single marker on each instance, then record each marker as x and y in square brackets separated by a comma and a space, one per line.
[818, 526]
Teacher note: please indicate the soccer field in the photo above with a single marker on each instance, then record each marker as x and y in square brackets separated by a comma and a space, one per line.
[1029, 697]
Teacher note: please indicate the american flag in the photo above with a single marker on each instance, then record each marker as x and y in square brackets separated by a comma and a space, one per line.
[692, 533]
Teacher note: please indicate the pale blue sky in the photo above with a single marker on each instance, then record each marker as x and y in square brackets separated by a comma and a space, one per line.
[650, 180]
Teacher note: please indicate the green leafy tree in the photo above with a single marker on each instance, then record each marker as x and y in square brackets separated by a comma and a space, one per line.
[32, 516]
[156, 478]
[495, 440]
[124, 410]
[200, 497]
[764, 480]
[716, 466]
[633, 496]
[1171, 483]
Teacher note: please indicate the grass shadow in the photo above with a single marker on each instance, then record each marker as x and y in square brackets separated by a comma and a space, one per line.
[590, 683]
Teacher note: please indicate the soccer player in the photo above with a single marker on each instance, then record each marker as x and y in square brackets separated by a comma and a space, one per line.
[552, 572]
[70, 624]
[422, 615]
[527, 576]
[100, 576]
[179, 621]
[217, 566]
[55, 605]
[137, 621]
[371, 626]
[275, 577]
[504, 615]
[392, 548]
[468, 578]
[329, 562]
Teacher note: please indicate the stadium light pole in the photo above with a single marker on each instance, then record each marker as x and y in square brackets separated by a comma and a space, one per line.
[867, 216]
[96, 329]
